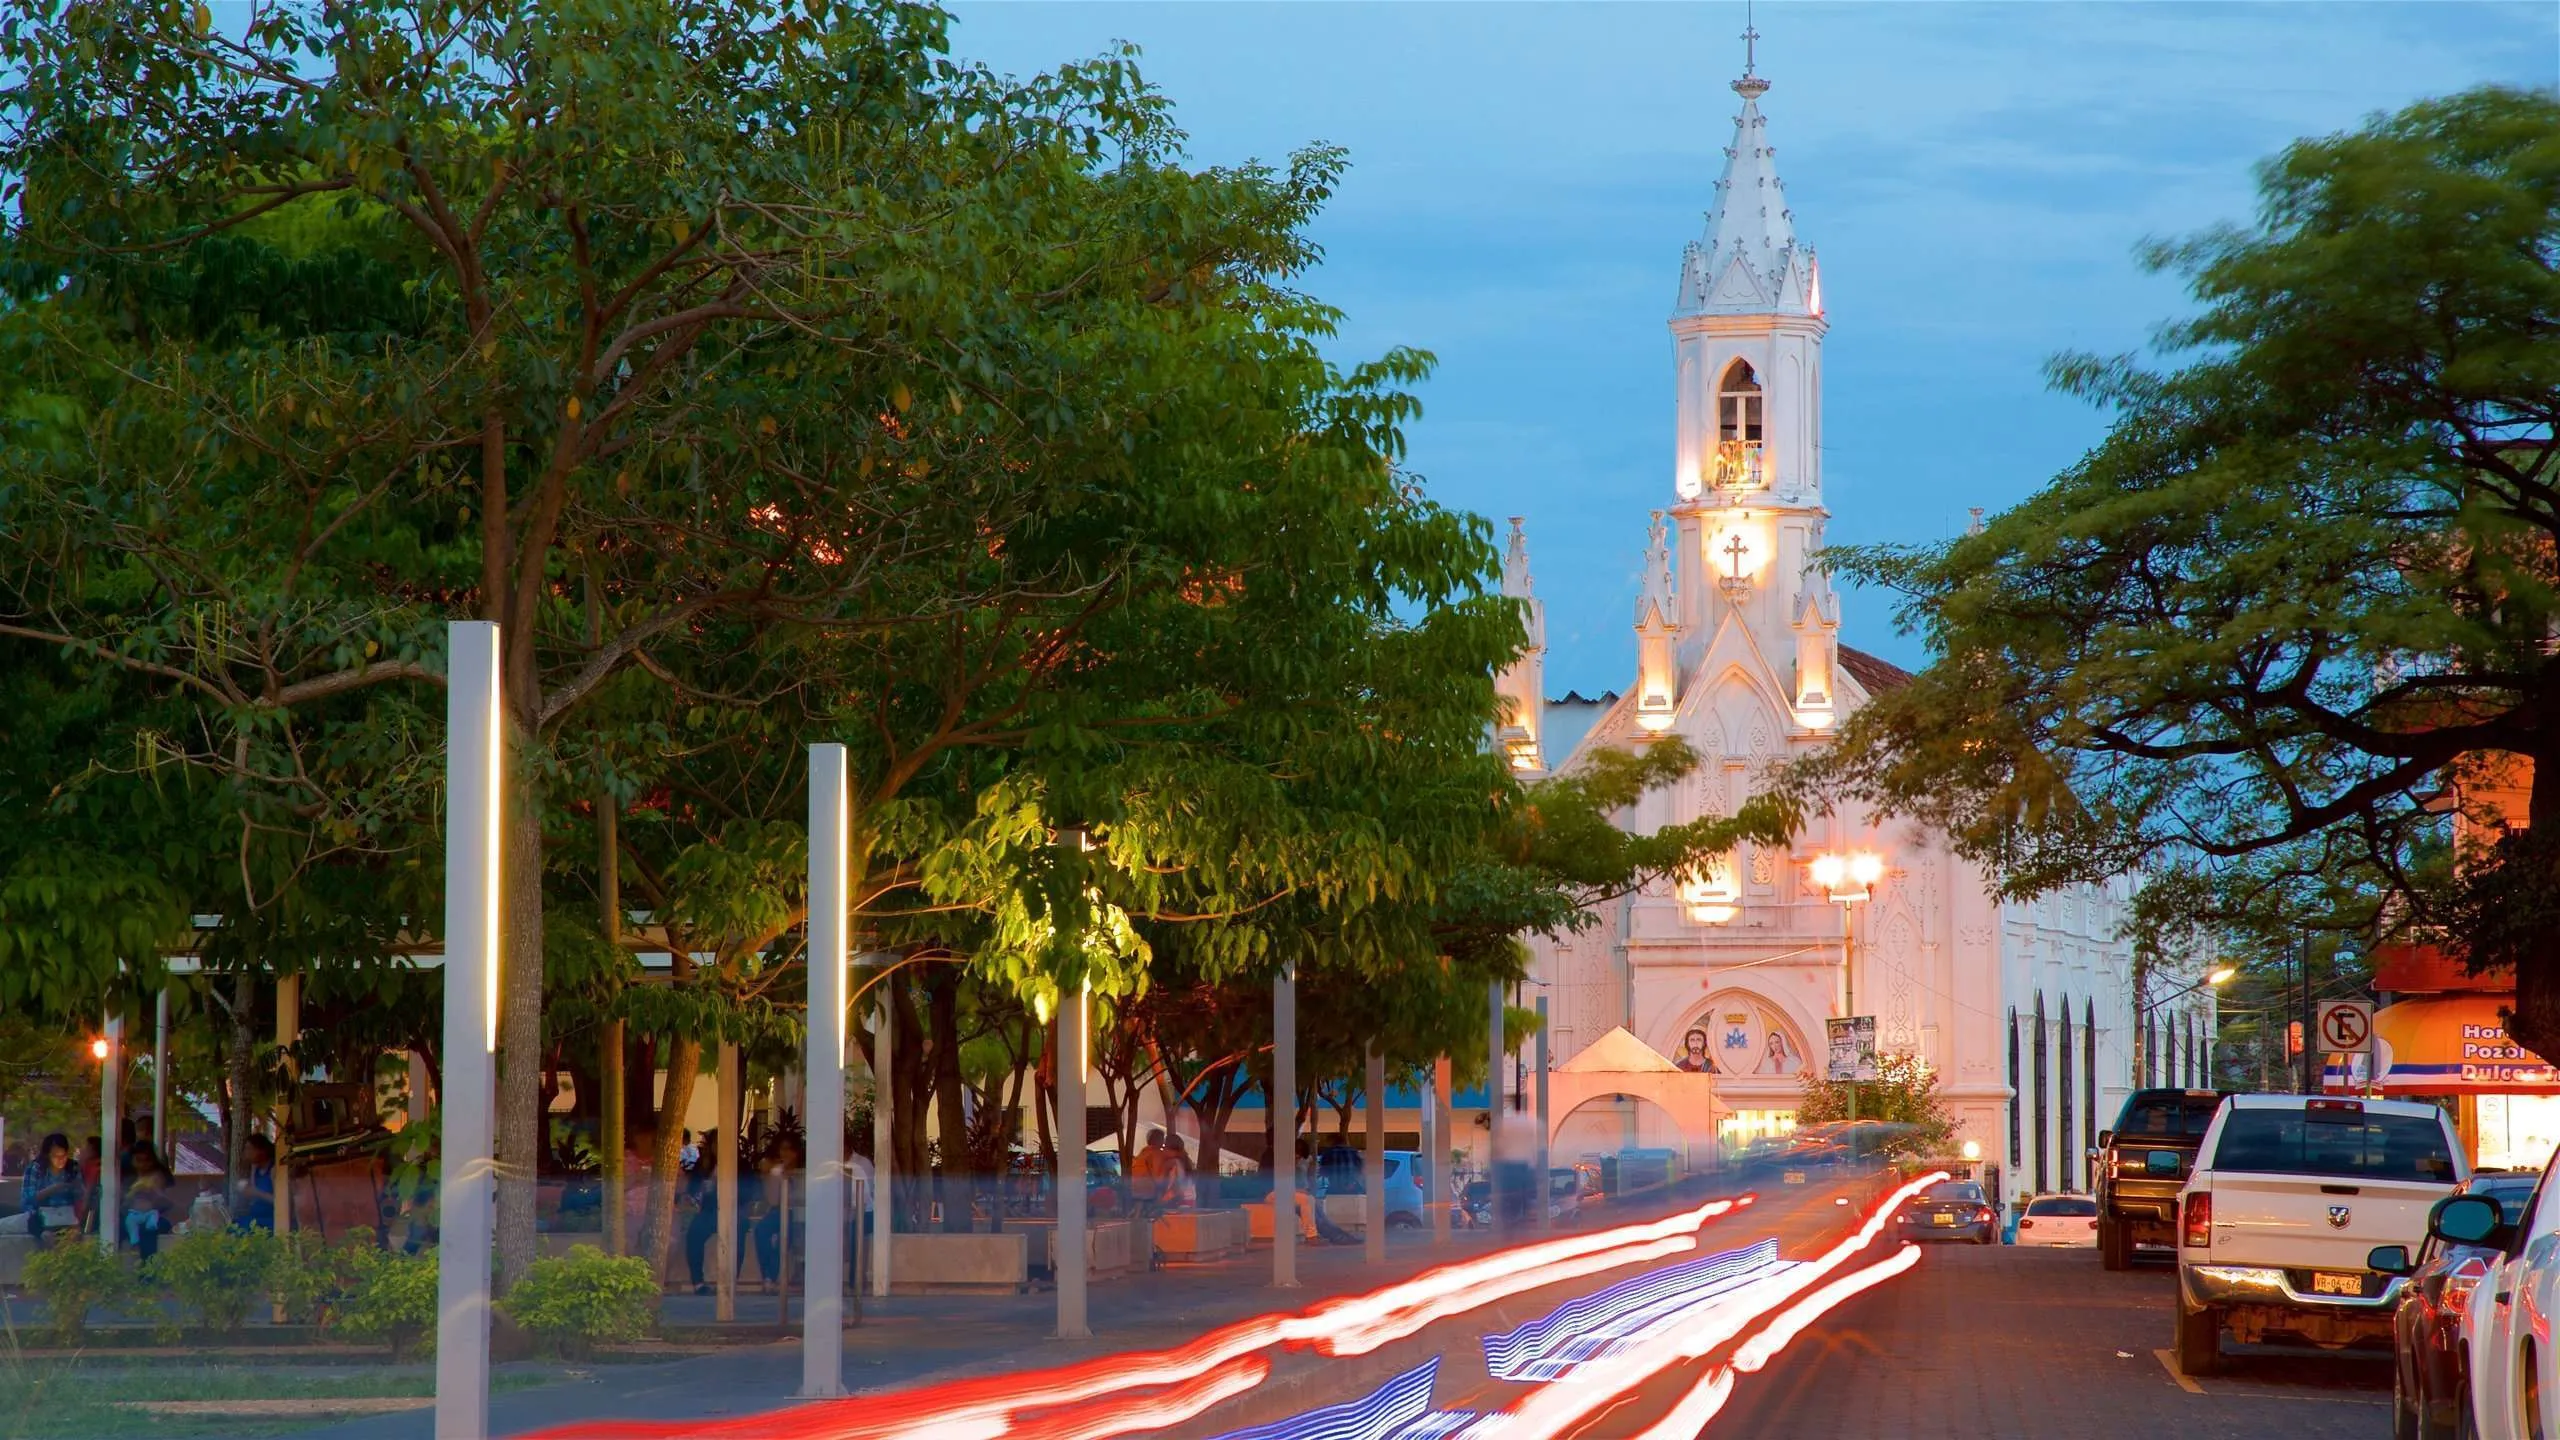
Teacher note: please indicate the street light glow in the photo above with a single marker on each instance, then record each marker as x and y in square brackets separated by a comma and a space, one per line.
[98, 1048]
[1829, 871]
[2222, 975]
[1866, 867]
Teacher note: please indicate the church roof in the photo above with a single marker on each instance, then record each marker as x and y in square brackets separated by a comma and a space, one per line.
[1875, 673]
[1618, 1053]
[1748, 261]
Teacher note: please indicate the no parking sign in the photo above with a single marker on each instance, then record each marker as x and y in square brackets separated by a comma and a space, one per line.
[2345, 1026]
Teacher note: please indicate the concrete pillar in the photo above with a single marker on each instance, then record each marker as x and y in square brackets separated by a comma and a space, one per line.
[160, 1078]
[1284, 1128]
[724, 1295]
[467, 1177]
[884, 1214]
[1444, 1138]
[110, 1111]
[1075, 1036]
[1496, 1058]
[1374, 1234]
[830, 911]
[1538, 1208]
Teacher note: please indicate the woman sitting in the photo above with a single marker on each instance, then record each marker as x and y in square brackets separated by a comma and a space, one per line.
[150, 1201]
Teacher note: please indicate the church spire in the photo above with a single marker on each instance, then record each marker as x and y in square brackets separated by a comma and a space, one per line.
[1748, 261]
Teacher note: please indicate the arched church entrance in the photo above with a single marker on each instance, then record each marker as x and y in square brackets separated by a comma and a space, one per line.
[1621, 1093]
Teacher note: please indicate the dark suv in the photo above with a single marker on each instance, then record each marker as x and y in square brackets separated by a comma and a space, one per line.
[2141, 1165]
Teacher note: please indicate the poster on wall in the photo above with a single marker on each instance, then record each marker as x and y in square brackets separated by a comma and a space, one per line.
[1853, 1048]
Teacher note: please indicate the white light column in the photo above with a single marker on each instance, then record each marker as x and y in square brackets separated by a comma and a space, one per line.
[1283, 1103]
[830, 907]
[1541, 1204]
[1075, 1043]
[1494, 1061]
[110, 1111]
[467, 1181]
[1373, 1234]
[160, 1078]
[883, 1137]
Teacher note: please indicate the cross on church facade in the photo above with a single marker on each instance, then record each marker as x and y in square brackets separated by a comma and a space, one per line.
[1737, 549]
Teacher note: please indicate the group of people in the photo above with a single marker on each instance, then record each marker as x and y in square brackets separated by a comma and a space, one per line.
[62, 1192]
[767, 1201]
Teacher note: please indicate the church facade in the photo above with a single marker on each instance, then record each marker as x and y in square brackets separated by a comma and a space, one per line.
[2024, 1011]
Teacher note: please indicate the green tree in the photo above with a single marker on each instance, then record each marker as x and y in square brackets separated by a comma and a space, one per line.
[2307, 579]
[1903, 1097]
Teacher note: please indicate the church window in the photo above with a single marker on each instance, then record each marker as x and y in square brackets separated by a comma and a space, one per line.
[1738, 401]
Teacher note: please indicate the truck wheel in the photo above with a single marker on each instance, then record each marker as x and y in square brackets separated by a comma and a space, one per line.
[2115, 1252]
[2199, 1348]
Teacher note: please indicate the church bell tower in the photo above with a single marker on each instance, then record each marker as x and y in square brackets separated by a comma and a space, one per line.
[1746, 332]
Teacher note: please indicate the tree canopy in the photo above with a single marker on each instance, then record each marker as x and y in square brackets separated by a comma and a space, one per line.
[2308, 578]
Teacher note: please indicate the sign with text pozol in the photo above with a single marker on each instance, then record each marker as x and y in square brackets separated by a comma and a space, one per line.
[1852, 1048]
[2345, 1026]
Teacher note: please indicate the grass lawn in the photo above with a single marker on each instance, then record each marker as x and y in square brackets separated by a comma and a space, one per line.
[73, 1400]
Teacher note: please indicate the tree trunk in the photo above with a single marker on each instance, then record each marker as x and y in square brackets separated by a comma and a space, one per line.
[684, 1065]
[520, 1047]
[2535, 1024]
[911, 1090]
[952, 1183]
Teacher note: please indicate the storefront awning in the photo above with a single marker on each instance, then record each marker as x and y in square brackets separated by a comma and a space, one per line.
[2448, 1045]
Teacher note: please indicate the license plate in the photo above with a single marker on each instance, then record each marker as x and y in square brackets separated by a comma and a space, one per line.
[1793, 1177]
[2324, 1282]
[1942, 1218]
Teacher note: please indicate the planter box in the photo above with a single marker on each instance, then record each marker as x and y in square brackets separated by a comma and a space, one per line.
[937, 1264]
[1110, 1246]
[1202, 1234]
[1258, 1219]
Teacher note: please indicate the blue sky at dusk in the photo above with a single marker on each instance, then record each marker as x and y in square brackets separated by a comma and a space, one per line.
[1975, 178]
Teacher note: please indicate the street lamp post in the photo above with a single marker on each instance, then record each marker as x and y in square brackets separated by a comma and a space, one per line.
[1848, 879]
[2213, 979]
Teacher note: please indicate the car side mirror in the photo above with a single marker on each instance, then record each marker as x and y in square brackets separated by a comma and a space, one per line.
[2389, 1259]
[2470, 1220]
[2106, 1138]
[2162, 1162]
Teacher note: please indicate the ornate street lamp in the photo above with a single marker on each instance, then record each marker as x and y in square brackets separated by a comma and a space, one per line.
[1848, 879]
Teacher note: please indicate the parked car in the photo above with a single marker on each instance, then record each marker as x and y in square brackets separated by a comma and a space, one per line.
[2290, 1195]
[2142, 1163]
[2430, 1373]
[1342, 1170]
[2509, 1370]
[2067, 1221]
[1949, 1210]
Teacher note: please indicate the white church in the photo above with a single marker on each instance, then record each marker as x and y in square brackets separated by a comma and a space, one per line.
[2024, 1011]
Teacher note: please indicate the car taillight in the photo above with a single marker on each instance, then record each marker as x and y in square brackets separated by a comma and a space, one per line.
[2026, 1224]
[1982, 1216]
[2199, 1217]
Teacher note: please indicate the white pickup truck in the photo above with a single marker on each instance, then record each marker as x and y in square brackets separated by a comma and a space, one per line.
[2288, 1196]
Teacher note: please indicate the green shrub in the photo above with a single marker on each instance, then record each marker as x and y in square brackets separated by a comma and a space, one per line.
[391, 1297]
[71, 1275]
[584, 1298]
[308, 1273]
[216, 1274]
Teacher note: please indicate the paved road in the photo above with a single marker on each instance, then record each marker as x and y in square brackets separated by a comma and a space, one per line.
[2008, 1344]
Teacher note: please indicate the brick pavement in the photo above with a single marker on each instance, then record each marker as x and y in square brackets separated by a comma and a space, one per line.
[2008, 1344]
